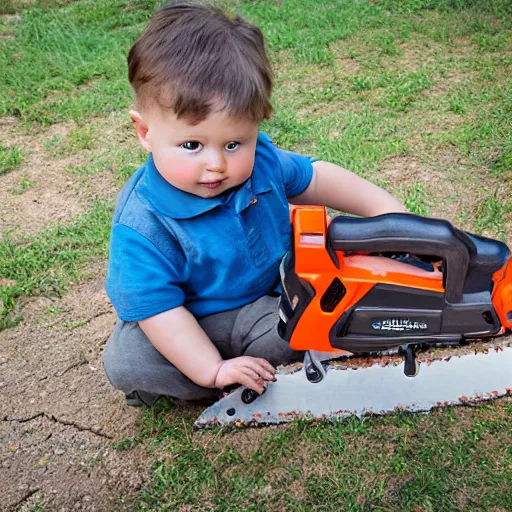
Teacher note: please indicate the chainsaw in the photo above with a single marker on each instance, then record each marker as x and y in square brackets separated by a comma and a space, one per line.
[392, 312]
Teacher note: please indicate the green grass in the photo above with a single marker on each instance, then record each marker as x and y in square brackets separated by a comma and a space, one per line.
[10, 158]
[7, 7]
[121, 161]
[79, 139]
[492, 212]
[23, 185]
[412, 94]
[405, 462]
[69, 61]
[414, 199]
[46, 263]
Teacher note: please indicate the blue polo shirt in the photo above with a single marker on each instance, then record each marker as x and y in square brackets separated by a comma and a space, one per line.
[170, 248]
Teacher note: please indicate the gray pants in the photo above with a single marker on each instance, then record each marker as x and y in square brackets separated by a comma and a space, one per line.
[133, 364]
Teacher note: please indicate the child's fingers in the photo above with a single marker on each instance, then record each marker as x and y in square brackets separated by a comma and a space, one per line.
[249, 382]
[266, 365]
[258, 367]
[248, 371]
[261, 363]
[255, 376]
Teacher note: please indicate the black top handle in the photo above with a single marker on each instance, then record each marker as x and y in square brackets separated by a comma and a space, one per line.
[408, 233]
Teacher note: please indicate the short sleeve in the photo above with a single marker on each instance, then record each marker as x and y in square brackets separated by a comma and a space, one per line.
[141, 282]
[297, 170]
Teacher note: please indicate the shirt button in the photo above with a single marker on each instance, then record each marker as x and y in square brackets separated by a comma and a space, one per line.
[254, 200]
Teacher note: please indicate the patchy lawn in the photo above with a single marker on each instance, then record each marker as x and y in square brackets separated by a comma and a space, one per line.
[414, 95]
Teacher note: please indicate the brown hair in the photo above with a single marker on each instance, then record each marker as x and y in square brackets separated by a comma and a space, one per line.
[193, 55]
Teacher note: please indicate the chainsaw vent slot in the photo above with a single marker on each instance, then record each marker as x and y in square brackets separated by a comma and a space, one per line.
[332, 296]
[487, 315]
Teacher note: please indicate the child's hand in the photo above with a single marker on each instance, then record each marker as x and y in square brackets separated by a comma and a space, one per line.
[246, 370]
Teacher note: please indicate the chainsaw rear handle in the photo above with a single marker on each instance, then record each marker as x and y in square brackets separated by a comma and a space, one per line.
[408, 233]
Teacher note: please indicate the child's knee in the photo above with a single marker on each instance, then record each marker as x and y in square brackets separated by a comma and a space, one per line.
[132, 363]
[121, 354]
[114, 367]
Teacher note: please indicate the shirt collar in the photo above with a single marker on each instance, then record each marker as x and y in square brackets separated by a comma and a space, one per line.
[173, 202]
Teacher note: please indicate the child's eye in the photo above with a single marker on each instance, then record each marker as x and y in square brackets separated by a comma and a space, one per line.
[231, 146]
[191, 145]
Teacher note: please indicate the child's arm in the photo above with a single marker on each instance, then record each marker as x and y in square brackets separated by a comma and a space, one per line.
[177, 335]
[343, 190]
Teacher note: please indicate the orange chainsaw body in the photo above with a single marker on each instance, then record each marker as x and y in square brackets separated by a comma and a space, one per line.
[341, 294]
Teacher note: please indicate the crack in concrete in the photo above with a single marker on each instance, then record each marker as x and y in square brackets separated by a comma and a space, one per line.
[51, 417]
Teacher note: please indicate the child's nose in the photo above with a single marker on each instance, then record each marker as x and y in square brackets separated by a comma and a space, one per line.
[216, 162]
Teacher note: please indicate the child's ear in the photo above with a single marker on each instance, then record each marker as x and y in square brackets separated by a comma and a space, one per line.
[142, 130]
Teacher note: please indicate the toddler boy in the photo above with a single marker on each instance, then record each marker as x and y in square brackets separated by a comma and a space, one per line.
[199, 230]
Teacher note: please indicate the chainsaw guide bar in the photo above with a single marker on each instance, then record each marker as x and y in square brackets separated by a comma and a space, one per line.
[362, 386]
[437, 298]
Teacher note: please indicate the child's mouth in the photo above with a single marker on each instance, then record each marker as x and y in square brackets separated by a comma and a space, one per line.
[211, 184]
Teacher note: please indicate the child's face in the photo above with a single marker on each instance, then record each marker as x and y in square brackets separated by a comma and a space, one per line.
[204, 159]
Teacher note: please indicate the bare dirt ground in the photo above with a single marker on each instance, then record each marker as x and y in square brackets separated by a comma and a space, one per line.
[53, 194]
[60, 418]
